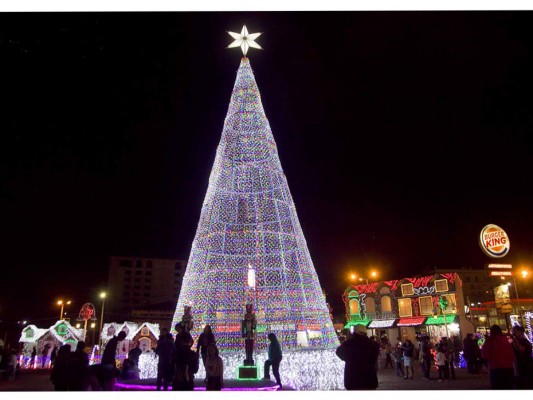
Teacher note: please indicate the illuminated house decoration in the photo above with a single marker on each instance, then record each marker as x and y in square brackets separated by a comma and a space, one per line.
[249, 246]
[145, 333]
[431, 304]
[55, 336]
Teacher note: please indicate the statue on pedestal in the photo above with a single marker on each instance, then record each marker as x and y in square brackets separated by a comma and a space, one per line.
[186, 319]
[248, 327]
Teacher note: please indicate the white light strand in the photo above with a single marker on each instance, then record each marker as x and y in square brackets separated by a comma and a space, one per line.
[301, 370]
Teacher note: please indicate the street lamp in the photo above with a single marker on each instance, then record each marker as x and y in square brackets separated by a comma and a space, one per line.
[102, 296]
[62, 304]
[373, 275]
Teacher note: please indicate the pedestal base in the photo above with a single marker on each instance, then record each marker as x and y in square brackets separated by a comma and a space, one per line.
[248, 372]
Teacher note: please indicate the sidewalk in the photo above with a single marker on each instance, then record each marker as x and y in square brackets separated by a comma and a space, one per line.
[389, 381]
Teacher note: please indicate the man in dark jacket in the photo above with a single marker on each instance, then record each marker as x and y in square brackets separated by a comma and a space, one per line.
[165, 363]
[79, 362]
[110, 351]
[360, 356]
[274, 358]
[469, 353]
[135, 353]
[186, 363]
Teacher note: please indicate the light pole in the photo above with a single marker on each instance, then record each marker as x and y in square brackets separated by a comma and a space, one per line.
[373, 274]
[62, 304]
[102, 296]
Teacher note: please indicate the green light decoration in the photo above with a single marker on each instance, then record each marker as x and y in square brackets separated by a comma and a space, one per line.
[62, 330]
[248, 373]
[439, 319]
[363, 322]
[443, 303]
[29, 333]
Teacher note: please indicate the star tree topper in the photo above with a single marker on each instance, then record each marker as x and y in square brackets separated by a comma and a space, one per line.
[245, 40]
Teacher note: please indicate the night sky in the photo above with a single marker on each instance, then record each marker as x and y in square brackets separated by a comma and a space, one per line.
[402, 134]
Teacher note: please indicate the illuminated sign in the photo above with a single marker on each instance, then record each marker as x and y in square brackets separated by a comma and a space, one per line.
[500, 273]
[500, 266]
[494, 241]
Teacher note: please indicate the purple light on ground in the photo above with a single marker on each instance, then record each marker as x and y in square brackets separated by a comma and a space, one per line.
[153, 387]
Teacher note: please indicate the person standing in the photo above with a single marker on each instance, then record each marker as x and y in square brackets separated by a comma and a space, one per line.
[206, 338]
[165, 363]
[360, 358]
[388, 353]
[44, 354]
[53, 356]
[214, 368]
[61, 371]
[523, 360]
[408, 350]
[79, 362]
[425, 357]
[187, 363]
[110, 351]
[469, 353]
[499, 354]
[275, 356]
[135, 353]
[33, 355]
[398, 359]
[441, 361]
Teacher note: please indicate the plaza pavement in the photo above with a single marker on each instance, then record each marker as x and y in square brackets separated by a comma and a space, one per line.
[39, 380]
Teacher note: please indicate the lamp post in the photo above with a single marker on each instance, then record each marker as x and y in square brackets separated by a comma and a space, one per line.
[373, 275]
[102, 296]
[93, 326]
[62, 304]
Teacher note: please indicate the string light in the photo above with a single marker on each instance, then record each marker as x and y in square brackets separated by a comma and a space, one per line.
[308, 369]
[249, 222]
[528, 315]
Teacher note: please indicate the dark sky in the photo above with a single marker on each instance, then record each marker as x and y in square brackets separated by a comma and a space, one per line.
[401, 134]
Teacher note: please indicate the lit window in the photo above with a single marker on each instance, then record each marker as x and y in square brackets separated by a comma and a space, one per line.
[426, 305]
[354, 307]
[370, 305]
[407, 289]
[404, 306]
[386, 305]
[441, 285]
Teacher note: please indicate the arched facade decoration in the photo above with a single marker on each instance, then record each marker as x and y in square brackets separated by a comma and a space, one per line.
[370, 305]
[354, 307]
[386, 304]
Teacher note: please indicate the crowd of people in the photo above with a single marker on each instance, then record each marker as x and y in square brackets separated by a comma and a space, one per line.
[507, 359]
[177, 363]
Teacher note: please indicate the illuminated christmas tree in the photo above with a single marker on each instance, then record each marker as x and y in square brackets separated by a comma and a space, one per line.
[249, 246]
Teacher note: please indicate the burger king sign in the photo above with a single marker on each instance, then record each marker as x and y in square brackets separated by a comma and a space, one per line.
[494, 241]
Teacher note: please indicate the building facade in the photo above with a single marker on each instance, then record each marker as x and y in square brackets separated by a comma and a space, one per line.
[136, 282]
[404, 308]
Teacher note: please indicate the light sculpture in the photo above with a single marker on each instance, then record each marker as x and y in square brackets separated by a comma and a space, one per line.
[248, 218]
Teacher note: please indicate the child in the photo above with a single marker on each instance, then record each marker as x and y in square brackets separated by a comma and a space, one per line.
[397, 356]
[441, 361]
[214, 368]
